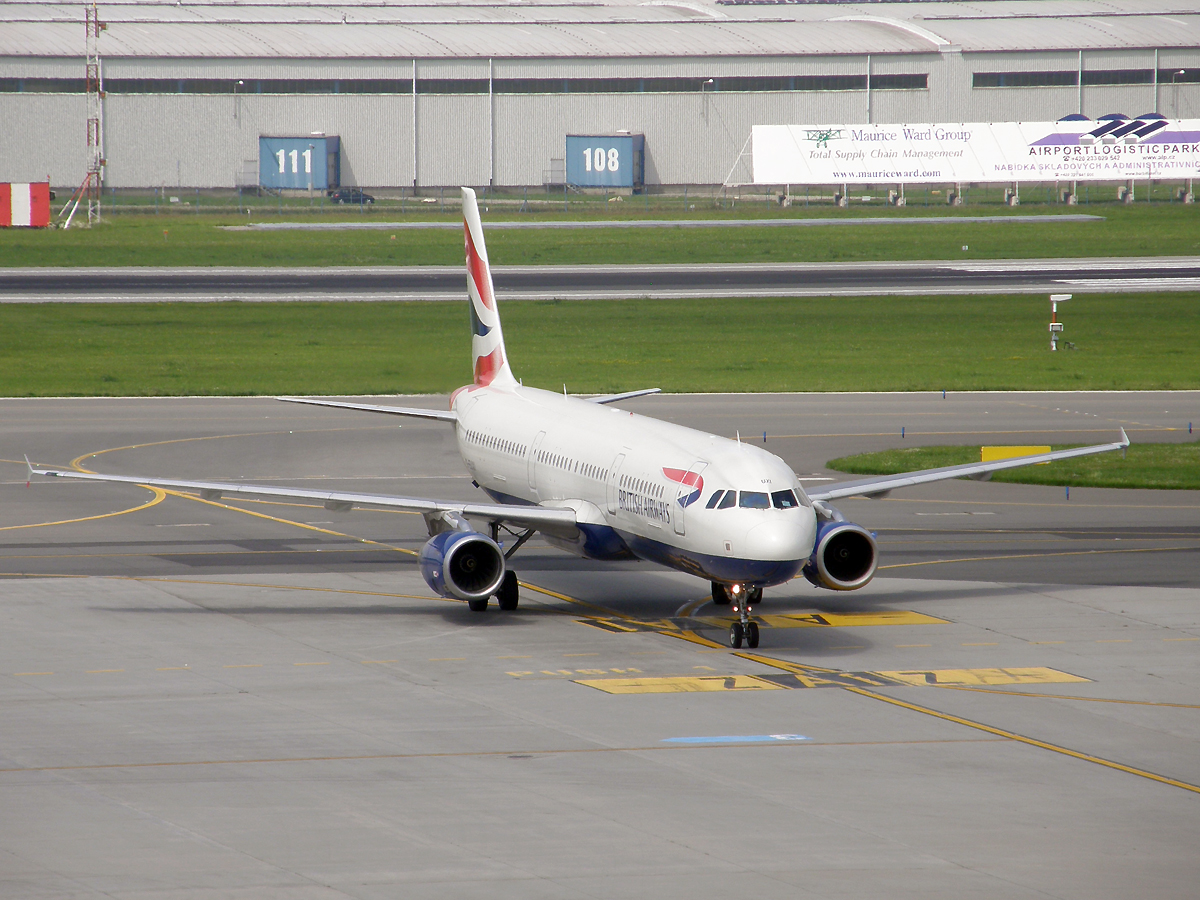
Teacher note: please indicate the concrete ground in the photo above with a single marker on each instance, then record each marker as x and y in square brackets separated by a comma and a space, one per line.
[263, 700]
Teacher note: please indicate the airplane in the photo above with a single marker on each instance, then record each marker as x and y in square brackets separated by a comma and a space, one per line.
[604, 483]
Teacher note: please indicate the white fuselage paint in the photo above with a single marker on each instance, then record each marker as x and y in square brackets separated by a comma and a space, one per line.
[533, 446]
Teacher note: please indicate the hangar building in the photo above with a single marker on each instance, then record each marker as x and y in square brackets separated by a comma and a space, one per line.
[427, 93]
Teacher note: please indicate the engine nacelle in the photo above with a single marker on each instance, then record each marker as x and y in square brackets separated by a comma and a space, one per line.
[463, 564]
[844, 557]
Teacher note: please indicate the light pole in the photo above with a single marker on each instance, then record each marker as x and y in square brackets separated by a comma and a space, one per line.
[1056, 327]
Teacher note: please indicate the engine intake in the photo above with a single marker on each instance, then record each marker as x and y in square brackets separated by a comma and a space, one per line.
[463, 564]
[844, 557]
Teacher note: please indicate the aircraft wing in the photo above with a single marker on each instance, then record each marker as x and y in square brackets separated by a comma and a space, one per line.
[410, 411]
[541, 518]
[882, 484]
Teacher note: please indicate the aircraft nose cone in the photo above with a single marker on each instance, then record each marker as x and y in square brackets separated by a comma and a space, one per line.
[790, 539]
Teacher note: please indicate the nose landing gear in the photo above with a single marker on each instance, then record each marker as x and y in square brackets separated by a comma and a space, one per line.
[743, 599]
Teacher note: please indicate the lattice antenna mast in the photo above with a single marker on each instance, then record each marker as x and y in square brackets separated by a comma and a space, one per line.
[95, 111]
[90, 189]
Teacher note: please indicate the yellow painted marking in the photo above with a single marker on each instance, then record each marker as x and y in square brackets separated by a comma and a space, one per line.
[982, 644]
[906, 646]
[22, 674]
[159, 496]
[1033, 742]
[518, 674]
[937, 562]
[311, 664]
[709, 668]
[831, 620]
[1031, 675]
[102, 671]
[991, 454]
[959, 687]
[247, 666]
[680, 685]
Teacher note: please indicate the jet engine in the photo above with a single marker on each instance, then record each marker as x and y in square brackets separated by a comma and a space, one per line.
[463, 564]
[844, 557]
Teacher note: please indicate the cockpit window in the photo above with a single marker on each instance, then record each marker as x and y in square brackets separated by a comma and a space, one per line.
[784, 500]
[754, 500]
[712, 501]
[729, 501]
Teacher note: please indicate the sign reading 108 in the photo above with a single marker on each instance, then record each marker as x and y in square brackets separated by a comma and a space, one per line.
[295, 155]
[595, 159]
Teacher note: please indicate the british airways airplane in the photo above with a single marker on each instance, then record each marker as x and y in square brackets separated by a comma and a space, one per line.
[604, 483]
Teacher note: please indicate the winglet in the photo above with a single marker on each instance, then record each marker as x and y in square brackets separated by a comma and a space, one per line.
[1124, 438]
[28, 465]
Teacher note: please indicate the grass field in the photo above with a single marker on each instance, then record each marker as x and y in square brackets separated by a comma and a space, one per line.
[196, 240]
[1124, 342]
[1174, 466]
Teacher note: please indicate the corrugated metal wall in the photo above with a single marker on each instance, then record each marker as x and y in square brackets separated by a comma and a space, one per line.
[193, 140]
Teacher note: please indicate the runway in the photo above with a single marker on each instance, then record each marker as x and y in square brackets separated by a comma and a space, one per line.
[264, 700]
[430, 283]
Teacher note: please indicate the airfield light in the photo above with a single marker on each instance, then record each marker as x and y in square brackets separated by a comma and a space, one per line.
[1056, 327]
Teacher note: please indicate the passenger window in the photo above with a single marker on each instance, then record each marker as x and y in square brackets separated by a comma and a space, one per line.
[754, 500]
[784, 500]
[729, 501]
[712, 501]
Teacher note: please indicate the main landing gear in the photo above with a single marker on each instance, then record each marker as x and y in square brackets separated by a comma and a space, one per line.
[743, 599]
[507, 596]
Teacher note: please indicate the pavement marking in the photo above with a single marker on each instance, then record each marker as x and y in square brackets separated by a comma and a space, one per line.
[936, 562]
[628, 624]
[737, 739]
[1033, 742]
[827, 678]
[560, 673]
[681, 684]
[980, 690]
[159, 496]
[1021, 675]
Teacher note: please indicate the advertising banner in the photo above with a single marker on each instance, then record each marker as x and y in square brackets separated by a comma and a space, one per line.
[1109, 149]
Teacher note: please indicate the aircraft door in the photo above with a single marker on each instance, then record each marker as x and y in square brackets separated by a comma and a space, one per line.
[533, 453]
[614, 473]
[690, 488]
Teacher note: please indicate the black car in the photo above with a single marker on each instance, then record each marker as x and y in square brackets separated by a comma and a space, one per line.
[349, 195]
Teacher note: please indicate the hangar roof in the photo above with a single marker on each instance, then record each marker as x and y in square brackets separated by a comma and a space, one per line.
[564, 29]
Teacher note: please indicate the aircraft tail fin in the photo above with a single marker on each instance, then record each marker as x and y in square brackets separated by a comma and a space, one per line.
[488, 356]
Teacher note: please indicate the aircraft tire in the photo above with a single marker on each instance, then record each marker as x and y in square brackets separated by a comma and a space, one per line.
[510, 593]
[735, 635]
[752, 635]
[479, 605]
[720, 596]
